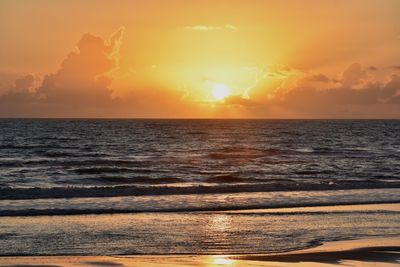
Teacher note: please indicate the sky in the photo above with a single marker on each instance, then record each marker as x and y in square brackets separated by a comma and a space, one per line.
[286, 59]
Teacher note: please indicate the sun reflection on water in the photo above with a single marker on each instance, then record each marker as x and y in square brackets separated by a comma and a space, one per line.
[221, 261]
[220, 223]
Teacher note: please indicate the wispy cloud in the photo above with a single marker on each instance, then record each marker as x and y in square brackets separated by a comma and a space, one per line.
[226, 27]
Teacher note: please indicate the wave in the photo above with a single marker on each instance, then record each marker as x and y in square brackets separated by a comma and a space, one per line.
[103, 162]
[137, 180]
[84, 166]
[186, 188]
[222, 208]
[98, 170]
[228, 178]
[241, 152]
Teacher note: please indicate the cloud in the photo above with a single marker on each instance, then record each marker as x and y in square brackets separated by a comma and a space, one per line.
[279, 72]
[318, 78]
[21, 89]
[23, 83]
[19, 100]
[373, 99]
[239, 100]
[82, 82]
[391, 90]
[82, 87]
[367, 95]
[204, 28]
[353, 76]
[83, 77]
[7, 80]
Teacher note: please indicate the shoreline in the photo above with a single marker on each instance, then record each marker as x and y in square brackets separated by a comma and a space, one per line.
[190, 203]
[382, 251]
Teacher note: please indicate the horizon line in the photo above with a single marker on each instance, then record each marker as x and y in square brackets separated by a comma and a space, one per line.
[178, 118]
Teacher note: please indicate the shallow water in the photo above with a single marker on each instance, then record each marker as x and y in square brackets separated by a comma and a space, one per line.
[191, 232]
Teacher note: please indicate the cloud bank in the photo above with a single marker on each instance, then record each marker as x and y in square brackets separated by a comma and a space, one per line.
[81, 84]
[84, 85]
[356, 94]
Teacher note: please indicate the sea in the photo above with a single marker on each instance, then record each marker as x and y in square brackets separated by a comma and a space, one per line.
[167, 187]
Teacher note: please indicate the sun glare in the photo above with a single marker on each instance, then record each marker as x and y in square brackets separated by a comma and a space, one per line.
[220, 91]
[221, 260]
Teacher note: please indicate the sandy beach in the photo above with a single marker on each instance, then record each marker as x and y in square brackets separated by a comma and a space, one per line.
[364, 252]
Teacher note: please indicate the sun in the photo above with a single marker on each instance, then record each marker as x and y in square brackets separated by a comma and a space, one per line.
[220, 91]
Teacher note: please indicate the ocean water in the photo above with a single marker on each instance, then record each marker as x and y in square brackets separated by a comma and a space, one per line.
[168, 186]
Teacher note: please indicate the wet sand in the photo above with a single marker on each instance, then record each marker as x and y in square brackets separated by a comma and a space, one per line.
[364, 252]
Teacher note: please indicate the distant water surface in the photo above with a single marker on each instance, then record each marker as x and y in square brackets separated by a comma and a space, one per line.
[280, 154]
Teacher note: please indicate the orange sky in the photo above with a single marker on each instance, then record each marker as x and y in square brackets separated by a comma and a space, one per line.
[169, 58]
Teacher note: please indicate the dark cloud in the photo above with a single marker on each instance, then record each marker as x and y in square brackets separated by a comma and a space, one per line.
[395, 100]
[353, 76]
[18, 99]
[391, 90]
[22, 84]
[371, 93]
[7, 81]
